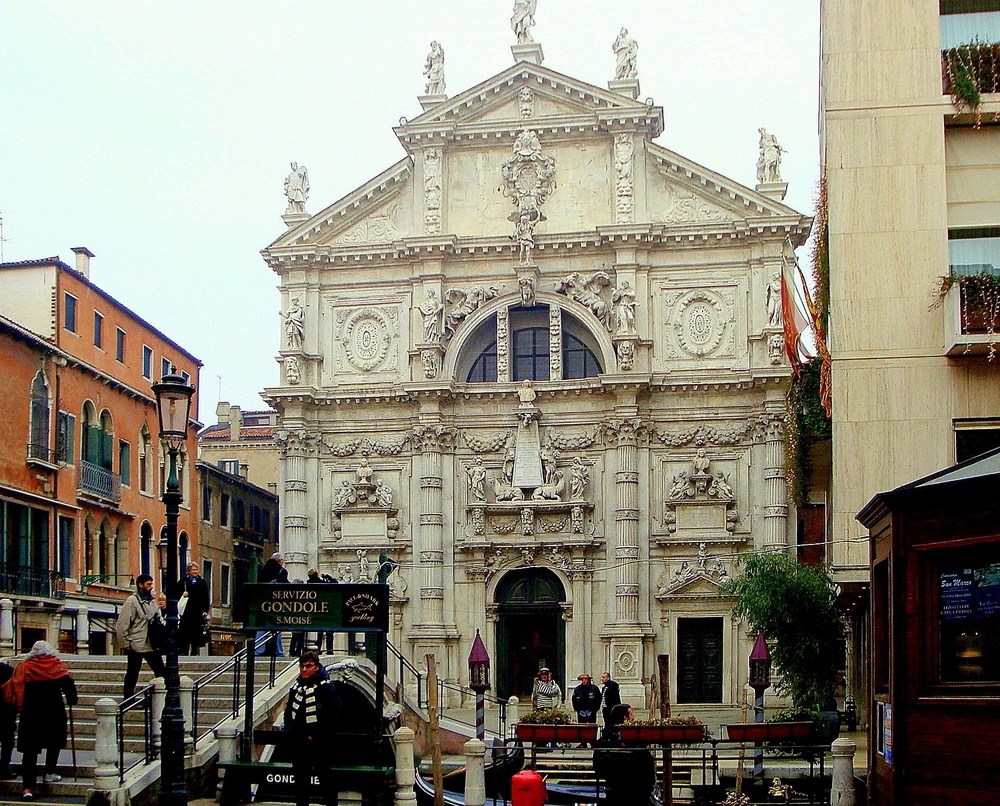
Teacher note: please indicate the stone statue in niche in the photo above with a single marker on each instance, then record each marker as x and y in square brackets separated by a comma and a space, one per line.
[297, 189]
[508, 466]
[295, 325]
[769, 159]
[434, 70]
[623, 300]
[526, 285]
[432, 310]
[588, 291]
[701, 462]
[523, 19]
[524, 235]
[477, 479]
[772, 300]
[579, 478]
[626, 50]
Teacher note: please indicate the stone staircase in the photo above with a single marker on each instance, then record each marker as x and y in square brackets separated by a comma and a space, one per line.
[100, 676]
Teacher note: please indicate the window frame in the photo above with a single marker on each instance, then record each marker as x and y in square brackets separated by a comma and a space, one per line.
[70, 306]
[147, 362]
[120, 337]
[125, 462]
[98, 329]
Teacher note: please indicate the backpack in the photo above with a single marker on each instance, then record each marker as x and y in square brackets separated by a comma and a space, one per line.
[156, 629]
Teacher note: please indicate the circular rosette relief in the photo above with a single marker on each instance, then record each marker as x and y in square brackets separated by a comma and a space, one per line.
[366, 339]
[699, 322]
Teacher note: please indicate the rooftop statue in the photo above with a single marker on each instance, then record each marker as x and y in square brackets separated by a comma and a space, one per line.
[297, 189]
[434, 70]
[523, 19]
[626, 49]
[769, 161]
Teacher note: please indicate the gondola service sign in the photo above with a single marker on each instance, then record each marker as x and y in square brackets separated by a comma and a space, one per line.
[348, 608]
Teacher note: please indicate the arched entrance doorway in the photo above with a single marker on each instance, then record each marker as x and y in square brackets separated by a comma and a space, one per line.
[531, 632]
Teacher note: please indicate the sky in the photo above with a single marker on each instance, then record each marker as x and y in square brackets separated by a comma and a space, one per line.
[159, 134]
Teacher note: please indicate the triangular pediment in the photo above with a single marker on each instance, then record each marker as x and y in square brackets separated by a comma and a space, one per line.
[375, 213]
[554, 97]
[680, 191]
[698, 585]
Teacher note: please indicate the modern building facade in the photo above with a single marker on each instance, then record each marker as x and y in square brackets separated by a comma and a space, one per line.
[538, 362]
[82, 468]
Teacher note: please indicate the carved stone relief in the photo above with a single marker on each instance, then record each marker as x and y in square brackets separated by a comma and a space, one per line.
[292, 373]
[380, 227]
[626, 355]
[527, 179]
[776, 348]
[430, 361]
[589, 291]
[700, 322]
[624, 151]
[460, 303]
[555, 342]
[684, 207]
[700, 500]
[503, 345]
[366, 336]
[432, 191]
[712, 569]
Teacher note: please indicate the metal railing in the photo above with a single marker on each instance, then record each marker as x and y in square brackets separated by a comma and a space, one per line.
[404, 666]
[501, 705]
[236, 664]
[99, 481]
[31, 581]
[142, 701]
[42, 453]
[107, 579]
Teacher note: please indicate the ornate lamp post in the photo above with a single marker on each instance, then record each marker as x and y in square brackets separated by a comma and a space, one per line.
[479, 681]
[173, 405]
[760, 679]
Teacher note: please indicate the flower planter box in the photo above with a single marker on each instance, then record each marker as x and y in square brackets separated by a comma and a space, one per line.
[769, 731]
[661, 734]
[585, 732]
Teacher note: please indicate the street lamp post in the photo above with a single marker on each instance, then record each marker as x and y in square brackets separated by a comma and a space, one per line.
[479, 681]
[760, 680]
[173, 404]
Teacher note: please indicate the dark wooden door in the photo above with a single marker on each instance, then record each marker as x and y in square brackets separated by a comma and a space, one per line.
[699, 663]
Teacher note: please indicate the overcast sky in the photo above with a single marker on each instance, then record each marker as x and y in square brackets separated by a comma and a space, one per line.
[159, 134]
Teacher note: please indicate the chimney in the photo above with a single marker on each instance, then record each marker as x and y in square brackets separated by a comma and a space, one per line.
[222, 411]
[83, 256]
[235, 422]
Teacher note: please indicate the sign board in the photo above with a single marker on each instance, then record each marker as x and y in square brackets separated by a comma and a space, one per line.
[322, 606]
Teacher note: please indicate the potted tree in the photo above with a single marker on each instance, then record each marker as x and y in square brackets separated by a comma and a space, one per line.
[795, 606]
[666, 730]
[554, 725]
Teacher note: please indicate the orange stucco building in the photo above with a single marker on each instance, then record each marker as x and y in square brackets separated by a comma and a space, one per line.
[81, 466]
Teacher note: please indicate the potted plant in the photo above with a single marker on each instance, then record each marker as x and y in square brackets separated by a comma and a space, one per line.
[795, 606]
[663, 730]
[787, 725]
[554, 725]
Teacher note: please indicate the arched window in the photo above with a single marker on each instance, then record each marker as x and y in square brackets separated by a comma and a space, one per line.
[90, 435]
[107, 441]
[145, 547]
[38, 446]
[530, 346]
[145, 461]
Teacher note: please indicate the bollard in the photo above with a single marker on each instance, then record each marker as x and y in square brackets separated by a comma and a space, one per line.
[106, 744]
[513, 715]
[187, 709]
[83, 630]
[159, 700]
[406, 773]
[475, 777]
[842, 785]
[229, 745]
[6, 626]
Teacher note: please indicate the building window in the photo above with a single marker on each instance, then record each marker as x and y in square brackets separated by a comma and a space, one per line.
[145, 461]
[65, 556]
[484, 368]
[224, 510]
[120, 346]
[125, 462]
[164, 367]
[208, 572]
[65, 437]
[965, 21]
[38, 447]
[145, 547]
[186, 377]
[224, 583]
[579, 360]
[69, 312]
[969, 619]
[98, 330]
[98, 437]
[239, 514]
[973, 437]
[230, 466]
[147, 362]
[206, 504]
[531, 354]
[974, 250]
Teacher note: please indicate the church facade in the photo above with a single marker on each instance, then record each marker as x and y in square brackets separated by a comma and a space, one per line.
[539, 364]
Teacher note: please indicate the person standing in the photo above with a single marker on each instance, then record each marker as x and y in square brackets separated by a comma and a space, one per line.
[628, 773]
[545, 693]
[610, 697]
[273, 572]
[586, 699]
[311, 716]
[8, 725]
[191, 628]
[132, 630]
[40, 684]
[315, 577]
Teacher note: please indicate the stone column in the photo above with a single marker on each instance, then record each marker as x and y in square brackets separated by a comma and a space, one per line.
[627, 521]
[475, 779]
[82, 629]
[405, 771]
[429, 542]
[6, 626]
[775, 492]
[293, 450]
[842, 784]
[106, 745]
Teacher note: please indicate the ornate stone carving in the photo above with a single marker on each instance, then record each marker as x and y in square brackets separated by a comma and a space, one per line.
[299, 443]
[487, 444]
[295, 324]
[684, 207]
[700, 321]
[432, 311]
[523, 19]
[430, 362]
[366, 492]
[461, 303]
[557, 557]
[589, 292]
[579, 478]
[434, 70]
[623, 301]
[524, 234]
[366, 445]
[503, 345]
[432, 437]
[478, 521]
[626, 49]
[576, 519]
[776, 348]
[552, 490]
[684, 572]
[526, 285]
[526, 102]
[624, 152]
[769, 158]
[477, 479]
[293, 376]
[379, 227]
[527, 180]
[555, 341]
[569, 442]
[626, 430]
[772, 300]
[432, 191]
[297, 189]
[626, 354]
[366, 335]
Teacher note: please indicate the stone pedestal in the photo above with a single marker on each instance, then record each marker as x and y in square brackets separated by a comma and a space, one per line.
[294, 219]
[430, 101]
[774, 190]
[528, 52]
[625, 86]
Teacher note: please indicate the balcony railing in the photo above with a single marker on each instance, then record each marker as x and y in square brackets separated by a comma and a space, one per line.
[99, 481]
[42, 456]
[22, 580]
[111, 580]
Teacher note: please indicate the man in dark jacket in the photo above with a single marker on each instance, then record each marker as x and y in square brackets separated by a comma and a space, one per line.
[315, 577]
[586, 699]
[191, 628]
[273, 572]
[311, 716]
[610, 697]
